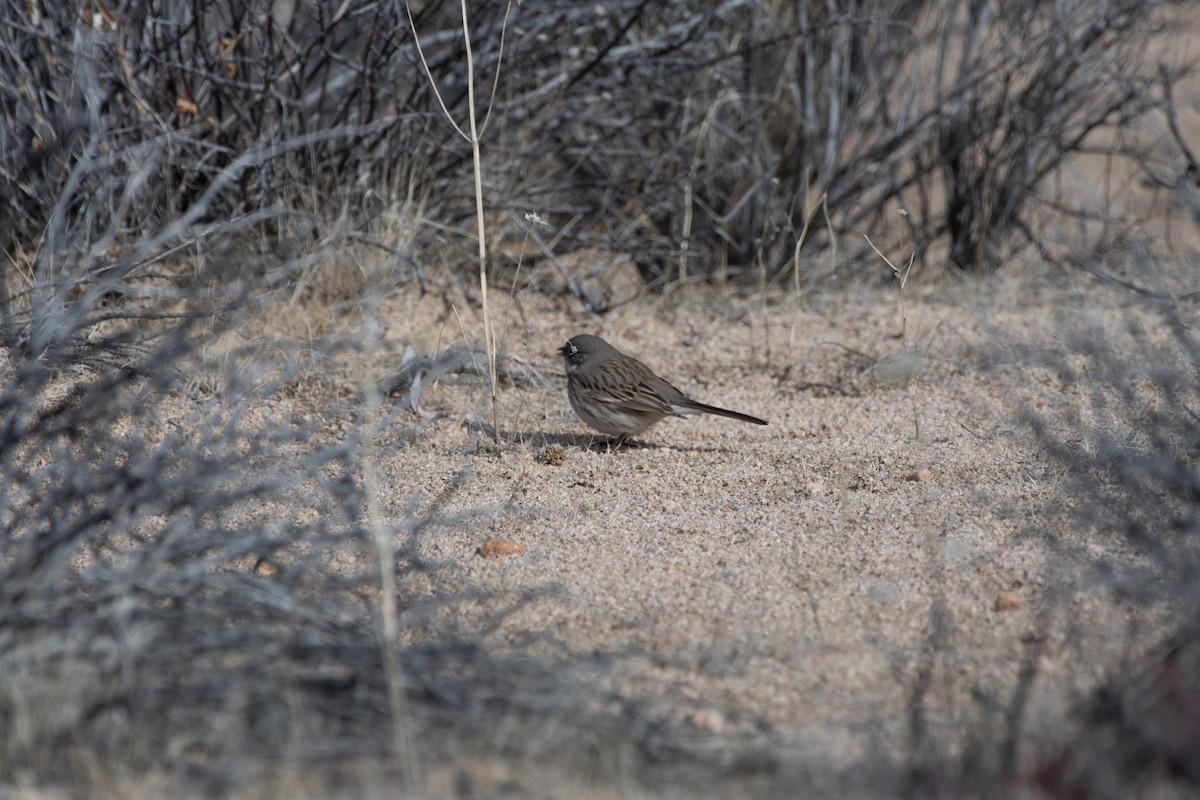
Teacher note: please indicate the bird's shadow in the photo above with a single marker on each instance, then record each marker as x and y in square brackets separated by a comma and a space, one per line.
[595, 442]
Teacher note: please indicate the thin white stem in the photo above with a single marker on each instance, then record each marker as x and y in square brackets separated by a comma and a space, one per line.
[489, 335]
[432, 83]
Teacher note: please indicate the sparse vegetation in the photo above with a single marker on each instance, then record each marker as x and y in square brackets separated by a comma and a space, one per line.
[211, 583]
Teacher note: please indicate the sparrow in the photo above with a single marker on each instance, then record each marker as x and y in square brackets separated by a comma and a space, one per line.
[619, 395]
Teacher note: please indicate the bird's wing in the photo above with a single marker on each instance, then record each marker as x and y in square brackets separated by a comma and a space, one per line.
[630, 388]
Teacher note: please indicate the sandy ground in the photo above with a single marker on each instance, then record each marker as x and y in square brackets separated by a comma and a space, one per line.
[754, 611]
[788, 593]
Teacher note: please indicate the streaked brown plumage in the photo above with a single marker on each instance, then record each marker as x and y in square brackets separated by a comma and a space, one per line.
[619, 395]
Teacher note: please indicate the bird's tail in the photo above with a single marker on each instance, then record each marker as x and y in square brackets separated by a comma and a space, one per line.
[703, 408]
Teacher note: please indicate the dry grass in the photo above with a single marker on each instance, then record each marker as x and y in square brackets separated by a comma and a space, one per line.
[235, 561]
